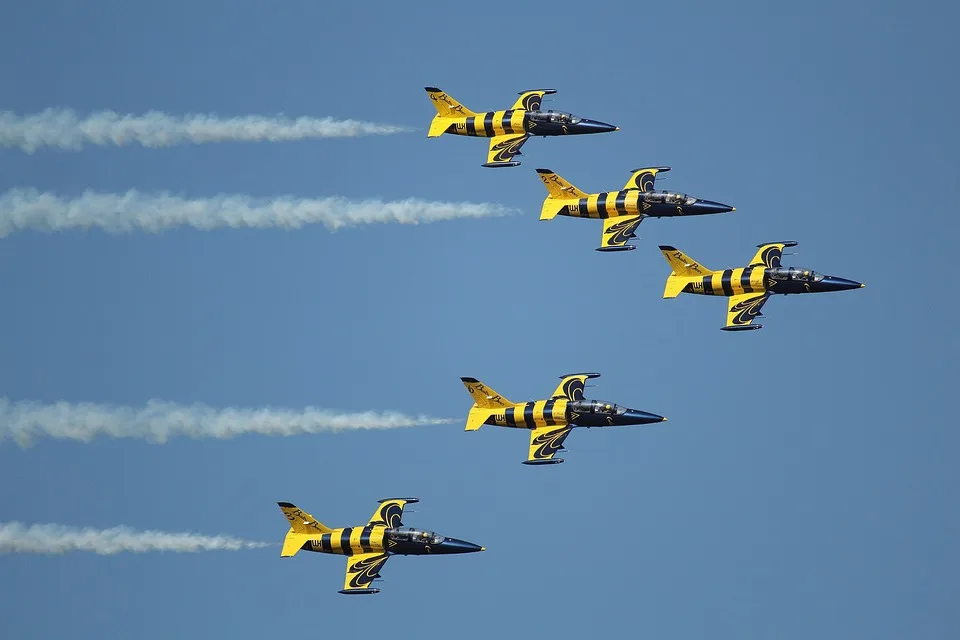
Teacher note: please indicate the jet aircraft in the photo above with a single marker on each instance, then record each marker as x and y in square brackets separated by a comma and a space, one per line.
[621, 211]
[747, 287]
[509, 129]
[550, 421]
[368, 547]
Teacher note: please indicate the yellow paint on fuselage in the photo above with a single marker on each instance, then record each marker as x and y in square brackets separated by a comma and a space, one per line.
[345, 541]
[611, 204]
[531, 415]
[487, 125]
[712, 285]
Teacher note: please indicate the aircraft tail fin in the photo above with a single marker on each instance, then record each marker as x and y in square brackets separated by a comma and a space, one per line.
[303, 528]
[560, 194]
[685, 271]
[301, 521]
[446, 106]
[682, 264]
[484, 396]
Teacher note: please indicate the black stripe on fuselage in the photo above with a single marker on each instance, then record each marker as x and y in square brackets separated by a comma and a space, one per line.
[365, 539]
[345, 539]
[725, 282]
[509, 417]
[325, 543]
[602, 205]
[548, 413]
[507, 117]
[472, 125]
[622, 203]
[528, 415]
[582, 207]
[707, 287]
[488, 124]
[745, 280]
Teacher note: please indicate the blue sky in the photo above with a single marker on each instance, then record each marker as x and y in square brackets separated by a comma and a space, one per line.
[803, 483]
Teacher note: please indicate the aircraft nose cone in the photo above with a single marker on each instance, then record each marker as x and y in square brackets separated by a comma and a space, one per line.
[642, 417]
[595, 126]
[709, 206]
[833, 283]
[453, 545]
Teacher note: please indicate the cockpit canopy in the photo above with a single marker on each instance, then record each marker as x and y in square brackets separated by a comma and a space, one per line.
[408, 534]
[557, 117]
[669, 198]
[596, 406]
[793, 273]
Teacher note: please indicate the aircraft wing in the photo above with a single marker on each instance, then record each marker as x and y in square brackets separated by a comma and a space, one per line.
[644, 179]
[390, 512]
[743, 309]
[616, 232]
[769, 254]
[571, 386]
[530, 100]
[504, 148]
[362, 570]
[545, 442]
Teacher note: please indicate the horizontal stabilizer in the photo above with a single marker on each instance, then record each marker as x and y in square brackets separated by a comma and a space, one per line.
[293, 542]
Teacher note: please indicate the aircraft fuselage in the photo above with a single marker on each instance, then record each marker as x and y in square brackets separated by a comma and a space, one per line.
[631, 202]
[348, 541]
[513, 121]
[560, 412]
[784, 280]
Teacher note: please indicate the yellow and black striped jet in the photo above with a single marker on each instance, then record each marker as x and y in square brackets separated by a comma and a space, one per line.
[508, 129]
[621, 211]
[368, 547]
[747, 287]
[550, 421]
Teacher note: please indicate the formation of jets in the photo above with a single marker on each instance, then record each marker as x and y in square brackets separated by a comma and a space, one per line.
[551, 420]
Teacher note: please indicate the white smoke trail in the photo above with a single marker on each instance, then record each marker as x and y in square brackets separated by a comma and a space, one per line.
[22, 209]
[23, 422]
[16, 537]
[62, 128]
